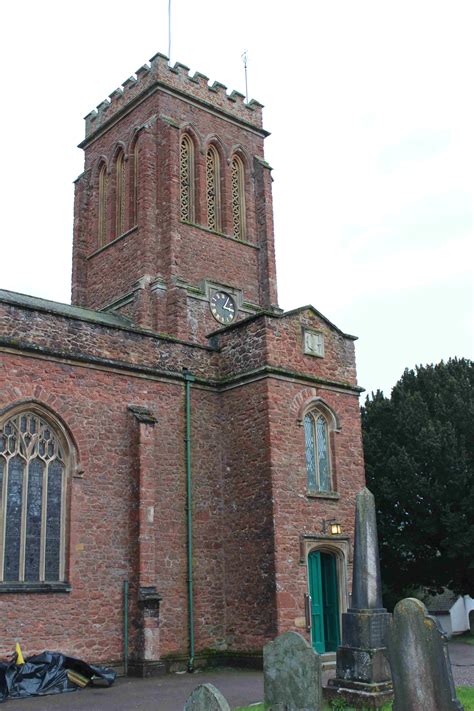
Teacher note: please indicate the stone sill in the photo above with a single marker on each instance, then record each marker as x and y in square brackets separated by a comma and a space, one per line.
[323, 495]
[113, 241]
[35, 587]
[220, 234]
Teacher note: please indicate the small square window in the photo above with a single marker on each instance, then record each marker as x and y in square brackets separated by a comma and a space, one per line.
[314, 343]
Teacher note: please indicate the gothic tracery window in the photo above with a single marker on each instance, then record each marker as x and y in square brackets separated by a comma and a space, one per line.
[102, 219]
[120, 194]
[186, 177]
[318, 458]
[213, 189]
[238, 198]
[32, 500]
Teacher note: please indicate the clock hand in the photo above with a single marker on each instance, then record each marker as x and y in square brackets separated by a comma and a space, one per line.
[228, 308]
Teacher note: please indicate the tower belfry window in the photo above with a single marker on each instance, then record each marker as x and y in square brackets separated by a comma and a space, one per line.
[135, 184]
[102, 205]
[238, 198]
[120, 194]
[213, 189]
[186, 176]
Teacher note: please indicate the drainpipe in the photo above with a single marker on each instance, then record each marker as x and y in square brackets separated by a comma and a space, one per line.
[188, 379]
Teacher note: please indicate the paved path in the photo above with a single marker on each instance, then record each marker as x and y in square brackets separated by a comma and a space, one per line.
[169, 693]
[462, 662]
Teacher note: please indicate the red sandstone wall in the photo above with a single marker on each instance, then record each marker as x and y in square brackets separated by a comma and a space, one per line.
[295, 512]
[103, 516]
[248, 523]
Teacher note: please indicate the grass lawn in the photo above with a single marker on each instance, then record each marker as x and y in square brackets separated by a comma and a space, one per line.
[465, 696]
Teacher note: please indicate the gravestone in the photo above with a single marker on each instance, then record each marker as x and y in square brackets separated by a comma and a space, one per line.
[419, 659]
[291, 674]
[206, 698]
[362, 670]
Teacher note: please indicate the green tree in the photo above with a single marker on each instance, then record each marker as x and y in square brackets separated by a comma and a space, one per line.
[419, 455]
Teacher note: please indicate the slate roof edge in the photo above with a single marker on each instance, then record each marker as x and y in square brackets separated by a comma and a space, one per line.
[284, 314]
[79, 313]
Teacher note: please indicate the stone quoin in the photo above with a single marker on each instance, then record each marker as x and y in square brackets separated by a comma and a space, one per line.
[173, 428]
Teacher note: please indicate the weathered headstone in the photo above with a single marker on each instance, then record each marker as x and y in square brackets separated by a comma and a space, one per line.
[206, 698]
[362, 669]
[419, 659]
[291, 674]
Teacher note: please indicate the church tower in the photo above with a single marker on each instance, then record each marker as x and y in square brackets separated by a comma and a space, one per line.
[173, 213]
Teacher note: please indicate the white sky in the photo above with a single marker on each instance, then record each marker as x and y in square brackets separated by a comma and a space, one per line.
[370, 106]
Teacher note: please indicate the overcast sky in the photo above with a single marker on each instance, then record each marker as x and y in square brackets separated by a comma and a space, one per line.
[370, 109]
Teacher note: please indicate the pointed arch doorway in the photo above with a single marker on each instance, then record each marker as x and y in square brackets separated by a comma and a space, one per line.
[324, 592]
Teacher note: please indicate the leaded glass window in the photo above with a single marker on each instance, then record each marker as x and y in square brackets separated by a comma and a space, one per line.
[102, 205]
[318, 459]
[120, 194]
[32, 500]
[186, 179]
[213, 189]
[238, 198]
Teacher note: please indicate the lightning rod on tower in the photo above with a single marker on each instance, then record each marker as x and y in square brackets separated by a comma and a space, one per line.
[244, 59]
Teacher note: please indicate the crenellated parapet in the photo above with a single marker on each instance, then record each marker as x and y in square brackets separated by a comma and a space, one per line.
[159, 72]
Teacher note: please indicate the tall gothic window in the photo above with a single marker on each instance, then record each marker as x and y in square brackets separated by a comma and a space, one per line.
[213, 180]
[318, 458]
[32, 500]
[134, 165]
[120, 194]
[186, 176]
[102, 204]
[238, 198]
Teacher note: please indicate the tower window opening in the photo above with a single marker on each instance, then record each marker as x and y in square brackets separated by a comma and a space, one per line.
[103, 205]
[186, 174]
[120, 195]
[238, 198]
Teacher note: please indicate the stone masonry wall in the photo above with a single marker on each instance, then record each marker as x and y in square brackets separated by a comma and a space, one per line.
[295, 511]
[102, 518]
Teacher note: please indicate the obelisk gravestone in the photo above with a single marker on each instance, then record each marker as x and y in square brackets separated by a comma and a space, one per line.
[362, 671]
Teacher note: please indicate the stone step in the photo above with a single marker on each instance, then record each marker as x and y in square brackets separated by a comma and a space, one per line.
[328, 661]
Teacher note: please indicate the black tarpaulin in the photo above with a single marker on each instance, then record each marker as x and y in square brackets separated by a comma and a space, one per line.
[47, 673]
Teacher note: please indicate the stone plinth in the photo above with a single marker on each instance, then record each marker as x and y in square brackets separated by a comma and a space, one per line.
[362, 671]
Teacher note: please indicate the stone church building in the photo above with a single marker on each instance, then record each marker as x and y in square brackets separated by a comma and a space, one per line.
[174, 449]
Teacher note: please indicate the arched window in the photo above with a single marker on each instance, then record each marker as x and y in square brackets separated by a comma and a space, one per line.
[102, 204]
[120, 194]
[186, 176]
[318, 455]
[238, 198]
[213, 181]
[134, 183]
[32, 500]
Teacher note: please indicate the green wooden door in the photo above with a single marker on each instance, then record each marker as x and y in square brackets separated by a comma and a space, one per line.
[324, 601]
[330, 602]
[316, 592]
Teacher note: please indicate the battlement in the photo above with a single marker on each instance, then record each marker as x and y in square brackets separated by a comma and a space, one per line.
[178, 78]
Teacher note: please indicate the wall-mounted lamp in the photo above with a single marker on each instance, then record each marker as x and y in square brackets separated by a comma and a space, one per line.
[331, 526]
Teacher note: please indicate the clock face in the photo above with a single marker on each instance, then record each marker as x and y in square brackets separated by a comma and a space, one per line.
[223, 307]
